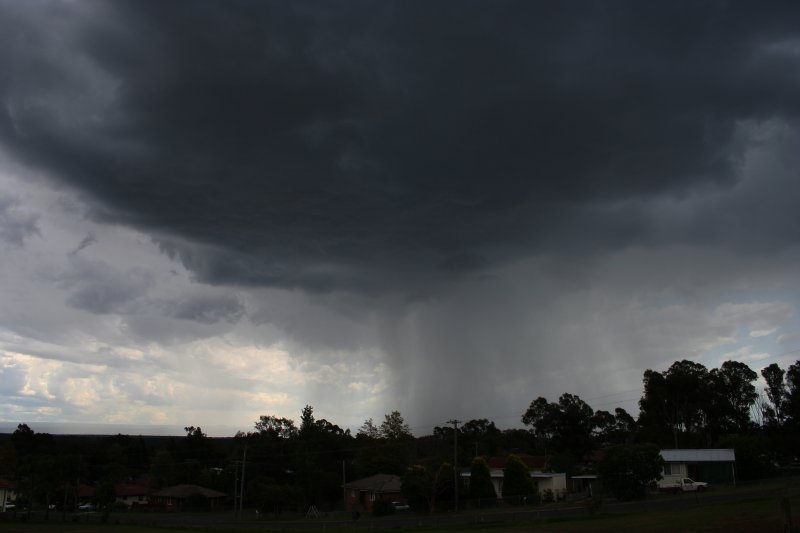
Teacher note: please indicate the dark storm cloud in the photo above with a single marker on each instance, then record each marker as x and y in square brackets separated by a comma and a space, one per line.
[357, 145]
[206, 309]
[98, 288]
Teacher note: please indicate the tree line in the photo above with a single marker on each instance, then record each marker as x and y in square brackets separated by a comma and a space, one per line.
[289, 466]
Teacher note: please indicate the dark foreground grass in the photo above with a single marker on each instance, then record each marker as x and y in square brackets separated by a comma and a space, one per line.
[763, 515]
[760, 515]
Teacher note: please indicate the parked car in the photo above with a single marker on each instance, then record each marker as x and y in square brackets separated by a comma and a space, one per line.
[400, 506]
[680, 483]
[87, 507]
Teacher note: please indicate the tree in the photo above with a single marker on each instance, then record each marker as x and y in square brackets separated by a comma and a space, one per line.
[538, 415]
[480, 436]
[423, 489]
[394, 427]
[275, 427]
[383, 449]
[307, 421]
[275, 498]
[625, 427]
[480, 481]
[676, 398]
[628, 469]
[320, 449]
[776, 392]
[517, 483]
[369, 430]
[104, 497]
[567, 423]
[604, 427]
[34, 468]
[163, 470]
[732, 395]
[444, 494]
[793, 392]
[196, 453]
[417, 487]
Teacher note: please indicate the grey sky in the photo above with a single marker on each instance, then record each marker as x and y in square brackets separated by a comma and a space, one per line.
[215, 210]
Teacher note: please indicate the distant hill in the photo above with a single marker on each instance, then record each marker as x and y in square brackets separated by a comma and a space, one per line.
[68, 428]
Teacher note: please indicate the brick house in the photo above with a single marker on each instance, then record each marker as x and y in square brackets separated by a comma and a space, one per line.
[360, 495]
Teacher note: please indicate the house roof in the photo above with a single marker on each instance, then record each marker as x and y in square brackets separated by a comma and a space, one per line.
[548, 474]
[130, 489]
[699, 456]
[85, 491]
[376, 483]
[533, 462]
[184, 491]
[594, 456]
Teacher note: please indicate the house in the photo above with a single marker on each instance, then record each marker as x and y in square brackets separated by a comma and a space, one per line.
[552, 483]
[178, 496]
[585, 484]
[131, 494]
[709, 465]
[360, 495]
[7, 495]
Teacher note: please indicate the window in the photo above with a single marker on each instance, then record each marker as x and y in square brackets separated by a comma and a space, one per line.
[372, 496]
[672, 469]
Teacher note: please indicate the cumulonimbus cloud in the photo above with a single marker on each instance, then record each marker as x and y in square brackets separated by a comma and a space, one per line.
[384, 146]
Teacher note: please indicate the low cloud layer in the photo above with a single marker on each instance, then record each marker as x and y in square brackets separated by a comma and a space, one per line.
[449, 208]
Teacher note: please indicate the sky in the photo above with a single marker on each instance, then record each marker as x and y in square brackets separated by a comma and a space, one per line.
[216, 210]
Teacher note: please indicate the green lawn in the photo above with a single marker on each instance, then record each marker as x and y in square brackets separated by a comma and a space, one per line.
[760, 515]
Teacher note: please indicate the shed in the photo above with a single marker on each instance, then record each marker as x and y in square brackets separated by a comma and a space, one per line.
[713, 465]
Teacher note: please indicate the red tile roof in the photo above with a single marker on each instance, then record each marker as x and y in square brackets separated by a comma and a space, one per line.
[86, 491]
[184, 491]
[130, 489]
[380, 483]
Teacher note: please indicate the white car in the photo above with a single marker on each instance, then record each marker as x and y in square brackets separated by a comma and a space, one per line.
[86, 507]
[678, 484]
[400, 506]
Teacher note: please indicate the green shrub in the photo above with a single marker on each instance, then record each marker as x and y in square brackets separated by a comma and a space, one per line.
[382, 508]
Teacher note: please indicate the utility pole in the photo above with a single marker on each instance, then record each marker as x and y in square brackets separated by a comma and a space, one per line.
[241, 491]
[455, 423]
[344, 490]
[236, 489]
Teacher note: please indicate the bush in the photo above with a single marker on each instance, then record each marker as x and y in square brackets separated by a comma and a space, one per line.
[517, 485]
[197, 502]
[480, 482]
[628, 469]
[382, 508]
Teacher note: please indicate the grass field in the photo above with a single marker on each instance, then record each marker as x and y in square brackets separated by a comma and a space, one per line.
[760, 515]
